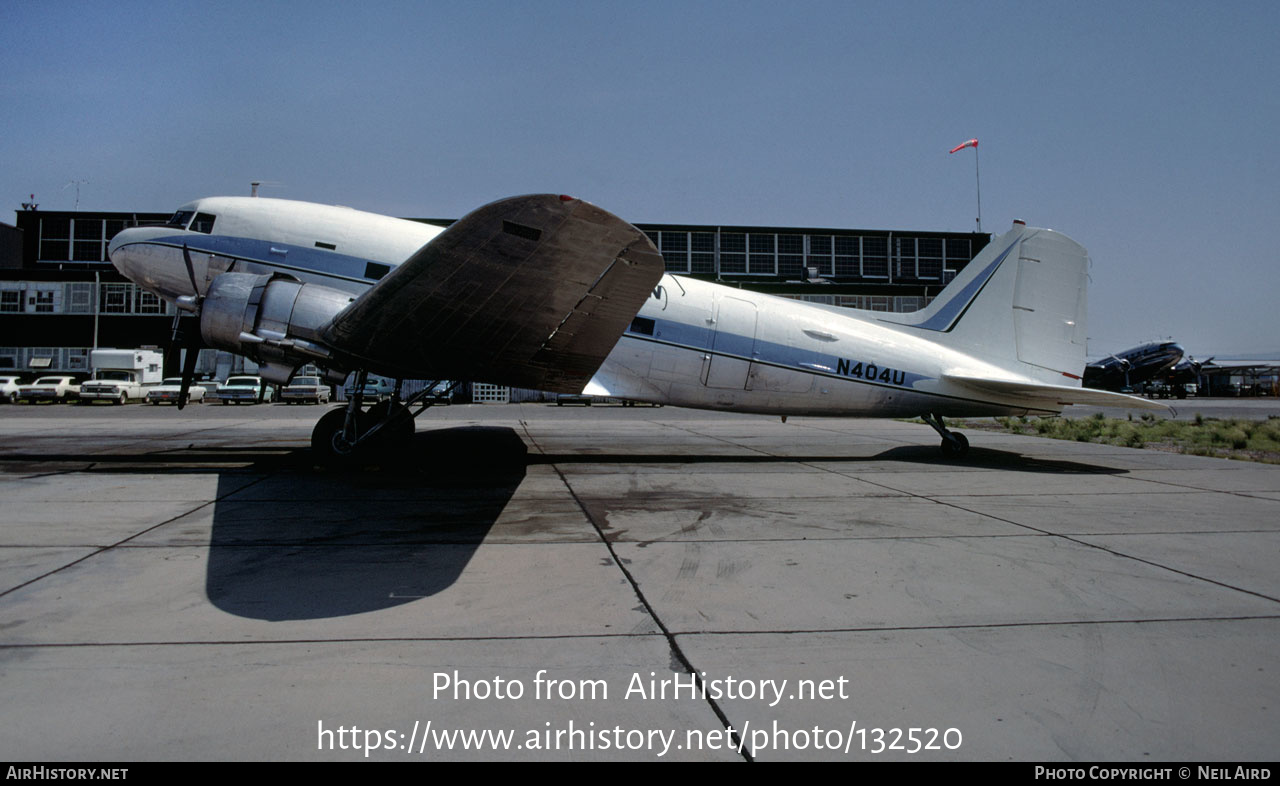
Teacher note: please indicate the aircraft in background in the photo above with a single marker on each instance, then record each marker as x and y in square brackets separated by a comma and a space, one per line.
[552, 293]
[1126, 370]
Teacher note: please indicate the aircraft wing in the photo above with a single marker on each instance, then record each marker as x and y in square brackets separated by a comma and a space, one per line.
[532, 291]
[1052, 395]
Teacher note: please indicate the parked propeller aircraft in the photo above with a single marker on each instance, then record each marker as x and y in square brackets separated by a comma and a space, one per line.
[553, 293]
[1126, 370]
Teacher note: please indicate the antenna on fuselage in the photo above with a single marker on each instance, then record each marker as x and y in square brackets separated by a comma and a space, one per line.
[254, 185]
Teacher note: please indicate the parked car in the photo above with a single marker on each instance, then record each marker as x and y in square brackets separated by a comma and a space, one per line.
[9, 390]
[169, 390]
[242, 390]
[375, 389]
[55, 390]
[305, 390]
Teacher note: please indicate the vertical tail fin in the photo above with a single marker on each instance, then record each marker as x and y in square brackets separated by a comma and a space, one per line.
[1021, 304]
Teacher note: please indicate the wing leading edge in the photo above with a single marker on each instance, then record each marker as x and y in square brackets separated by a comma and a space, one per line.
[532, 291]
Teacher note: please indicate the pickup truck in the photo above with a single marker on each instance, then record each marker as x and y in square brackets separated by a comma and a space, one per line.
[121, 374]
[52, 389]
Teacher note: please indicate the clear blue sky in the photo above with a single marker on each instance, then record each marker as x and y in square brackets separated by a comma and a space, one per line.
[1145, 130]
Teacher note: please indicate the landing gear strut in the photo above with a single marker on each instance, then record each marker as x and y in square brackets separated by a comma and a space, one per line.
[352, 436]
[954, 444]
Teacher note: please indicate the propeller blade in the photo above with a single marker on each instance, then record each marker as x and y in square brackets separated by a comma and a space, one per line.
[191, 270]
[188, 373]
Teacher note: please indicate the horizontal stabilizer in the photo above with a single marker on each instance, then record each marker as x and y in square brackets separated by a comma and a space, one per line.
[531, 292]
[1052, 395]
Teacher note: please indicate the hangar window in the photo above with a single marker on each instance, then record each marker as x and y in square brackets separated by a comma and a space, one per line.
[10, 301]
[702, 256]
[203, 223]
[115, 298]
[875, 257]
[77, 360]
[929, 266]
[79, 298]
[904, 262]
[40, 301]
[848, 258]
[761, 258]
[819, 256]
[791, 256]
[55, 239]
[675, 251]
[88, 240]
[149, 303]
[733, 257]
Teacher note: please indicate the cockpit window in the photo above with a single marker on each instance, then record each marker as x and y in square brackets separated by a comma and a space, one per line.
[181, 219]
[203, 223]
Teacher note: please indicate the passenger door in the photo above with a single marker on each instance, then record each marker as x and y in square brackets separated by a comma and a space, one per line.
[732, 345]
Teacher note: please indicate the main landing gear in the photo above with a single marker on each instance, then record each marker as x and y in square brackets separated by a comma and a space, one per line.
[353, 436]
[954, 444]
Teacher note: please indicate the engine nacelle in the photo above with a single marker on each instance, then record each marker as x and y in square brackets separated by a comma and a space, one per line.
[272, 319]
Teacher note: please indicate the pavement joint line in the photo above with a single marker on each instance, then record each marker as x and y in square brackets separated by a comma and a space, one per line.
[983, 626]
[655, 634]
[343, 640]
[1076, 539]
[1067, 538]
[499, 542]
[1236, 493]
[672, 644]
[123, 541]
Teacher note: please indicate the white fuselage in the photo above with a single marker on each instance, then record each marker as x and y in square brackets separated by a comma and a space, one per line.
[693, 344]
[718, 347]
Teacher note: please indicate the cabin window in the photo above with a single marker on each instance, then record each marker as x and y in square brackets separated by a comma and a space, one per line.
[374, 271]
[203, 223]
[642, 325]
[180, 219]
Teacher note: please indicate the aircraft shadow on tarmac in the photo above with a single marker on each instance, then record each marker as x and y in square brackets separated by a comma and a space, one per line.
[977, 458]
[306, 544]
[292, 542]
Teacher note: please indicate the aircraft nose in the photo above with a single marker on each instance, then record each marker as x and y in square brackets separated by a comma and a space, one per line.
[133, 253]
[121, 239]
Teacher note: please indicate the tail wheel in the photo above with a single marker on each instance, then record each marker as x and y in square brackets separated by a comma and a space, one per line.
[955, 446]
